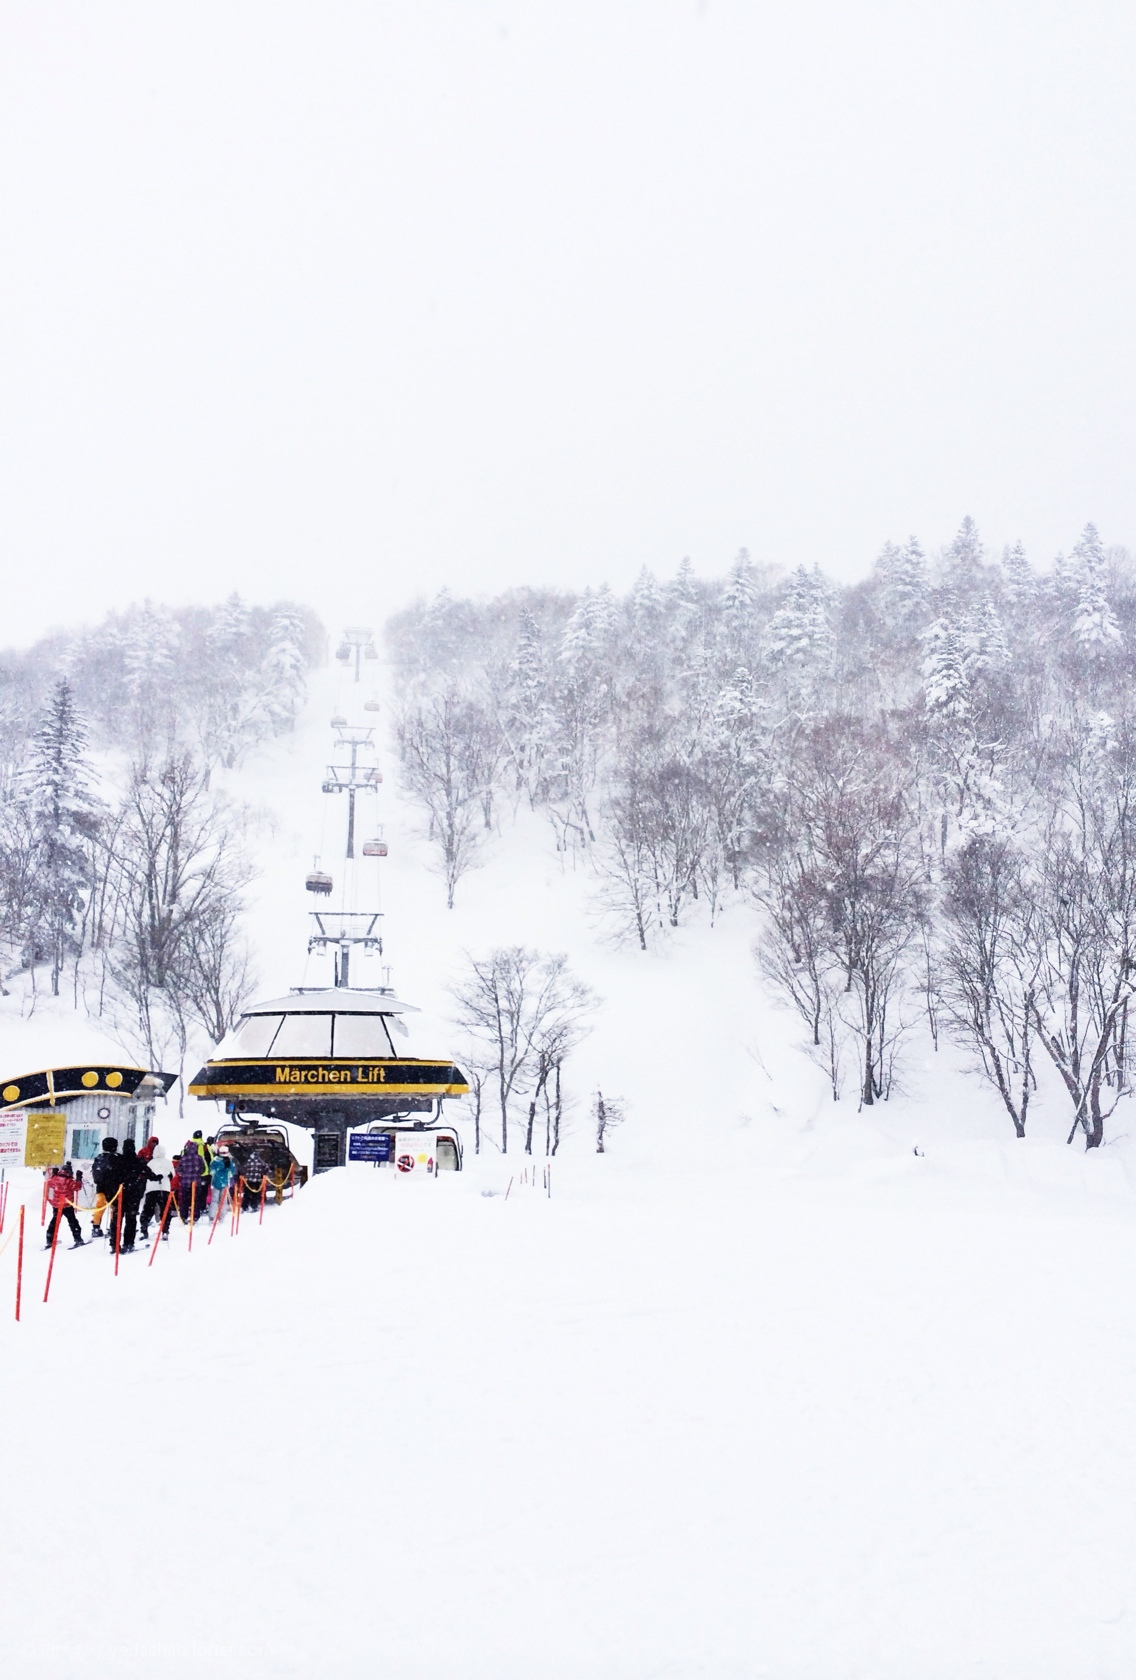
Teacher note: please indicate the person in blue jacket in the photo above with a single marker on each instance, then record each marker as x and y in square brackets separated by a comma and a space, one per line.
[221, 1172]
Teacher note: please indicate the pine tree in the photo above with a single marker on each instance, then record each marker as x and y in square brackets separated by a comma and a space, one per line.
[1095, 628]
[799, 638]
[946, 689]
[62, 810]
[285, 666]
[903, 573]
[1020, 579]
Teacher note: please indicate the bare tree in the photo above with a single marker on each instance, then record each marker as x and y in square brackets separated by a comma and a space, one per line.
[1086, 925]
[842, 888]
[450, 750]
[178, 956]
[607, 1113]
[528, 1010]
[990, 960]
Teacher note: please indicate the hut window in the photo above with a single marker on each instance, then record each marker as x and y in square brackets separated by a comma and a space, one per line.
[362, 1035]
[303, 1035]
[85, 1142]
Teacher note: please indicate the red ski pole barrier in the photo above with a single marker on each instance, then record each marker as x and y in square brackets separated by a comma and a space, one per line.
[263, 1194]
[508, 1187]
[161, 1228]
[234, 1207]
[240, 1205]
[192, 1211]
[54, 1246]
[20, 1264]
[43, 1205]
[217, 1217]
[117, 1230]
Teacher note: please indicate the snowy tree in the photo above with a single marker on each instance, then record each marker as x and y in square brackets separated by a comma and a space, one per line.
[1019, 578]
[739, 605]
[151, 644]
[799, 639]
[285, 667]
[1095, 628]
[903, 575]
[63, 823]
[946, 687]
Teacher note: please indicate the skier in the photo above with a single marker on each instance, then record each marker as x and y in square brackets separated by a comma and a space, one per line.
[255, 1169]
[133, 1172]
[61, 1191]
[158, 1172]
[206, 1153]
[191, 1182]
[106, 1172]
[221, 1174]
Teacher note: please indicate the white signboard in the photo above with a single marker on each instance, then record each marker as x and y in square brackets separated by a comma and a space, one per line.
[414, 1154]
[13, 1132]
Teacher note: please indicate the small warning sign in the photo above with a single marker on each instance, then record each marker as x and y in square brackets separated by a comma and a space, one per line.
[13, 1130]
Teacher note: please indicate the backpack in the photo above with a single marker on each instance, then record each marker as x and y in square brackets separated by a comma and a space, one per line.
[104, 1172]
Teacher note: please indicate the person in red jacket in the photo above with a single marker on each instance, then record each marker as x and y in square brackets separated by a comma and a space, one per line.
[61, 1191]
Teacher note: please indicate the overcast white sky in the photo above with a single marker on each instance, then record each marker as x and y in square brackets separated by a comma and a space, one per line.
[348, 300]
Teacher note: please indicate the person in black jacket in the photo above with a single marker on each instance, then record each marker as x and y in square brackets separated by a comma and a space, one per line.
[106, 1173]
[133, 1179]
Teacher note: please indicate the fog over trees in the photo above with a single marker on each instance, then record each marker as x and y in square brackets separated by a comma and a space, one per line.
[122, 867]
[925, 783]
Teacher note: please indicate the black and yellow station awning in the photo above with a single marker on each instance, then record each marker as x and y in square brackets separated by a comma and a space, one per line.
[316, 1077]
[52, 1085]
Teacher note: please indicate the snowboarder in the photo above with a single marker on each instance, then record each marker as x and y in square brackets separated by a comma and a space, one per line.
[62, 1187]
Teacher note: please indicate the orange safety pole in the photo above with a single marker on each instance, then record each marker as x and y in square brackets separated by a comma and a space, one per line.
[54, 1246]
[161, 1228]
[192, 1211]
[217, 1219]
[20, 1264]
[43, 1205]
[240, 1202]
[3, 1203]
[118, 1230]
[263, 1194]
[234, 1209]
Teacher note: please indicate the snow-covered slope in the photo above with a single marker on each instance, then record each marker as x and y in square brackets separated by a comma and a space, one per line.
[762, 1391]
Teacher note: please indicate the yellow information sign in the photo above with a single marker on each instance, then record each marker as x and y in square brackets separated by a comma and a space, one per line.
[47, 1134]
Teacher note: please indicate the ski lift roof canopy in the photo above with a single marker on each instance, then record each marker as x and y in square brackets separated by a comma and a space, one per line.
[337, 1000]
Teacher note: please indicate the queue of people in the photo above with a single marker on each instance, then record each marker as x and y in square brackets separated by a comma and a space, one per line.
[151, 1186]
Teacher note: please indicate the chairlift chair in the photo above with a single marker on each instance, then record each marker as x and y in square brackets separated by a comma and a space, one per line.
[318, 882]
[374, 848]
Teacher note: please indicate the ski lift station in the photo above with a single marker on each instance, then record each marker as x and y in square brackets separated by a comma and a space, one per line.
[337, 1062]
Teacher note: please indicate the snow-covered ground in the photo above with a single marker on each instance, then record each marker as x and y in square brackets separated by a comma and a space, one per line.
[762, 1391]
